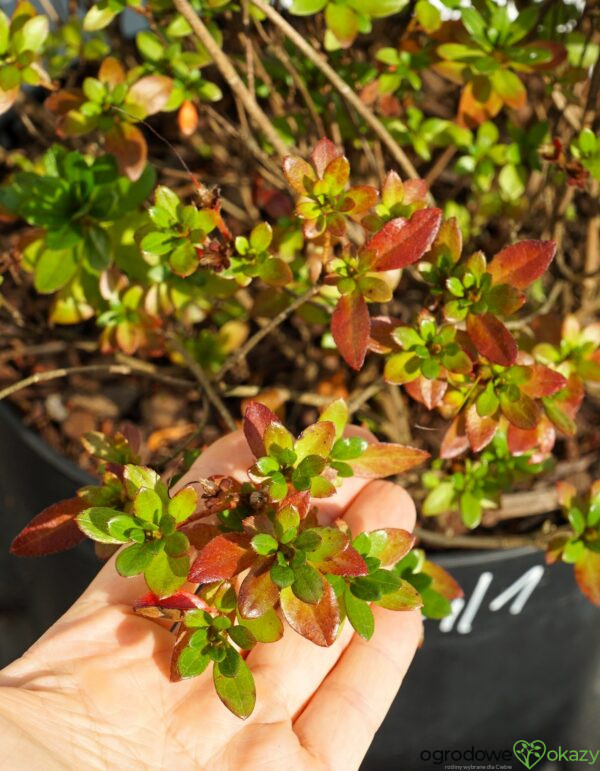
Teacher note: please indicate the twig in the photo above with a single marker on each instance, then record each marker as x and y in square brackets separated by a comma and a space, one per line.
[299, 397]
[202, 378]
[280, 51]
[440, 165]
[363, 395]
[340, 85]
[245, 349]
[110, 369]
[230, 74]
[525, 504]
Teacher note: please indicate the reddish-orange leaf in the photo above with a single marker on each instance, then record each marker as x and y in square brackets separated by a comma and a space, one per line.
[427, 392]
[200, 533]
[128, 144]
[479, 430]
[390, 544]
[415, 191]
[380, 338]
[587, 574]
[257, 419]
[402, 242]
[111, 72]
[520, 264]
[542, 381]
[383, 459]
[319, 623]
[61, 102]
[150, 94]
[187, 118]
[442, 581]
[173, 607]
[324, 153]
[258, 593]
[360, 199]
[222, 558]
[455, 440]
[492, 339]
[542, 437]
[347, 562]
[448, 240]
[54, 529]
[350, 327]
[181, 642]
[298, 172]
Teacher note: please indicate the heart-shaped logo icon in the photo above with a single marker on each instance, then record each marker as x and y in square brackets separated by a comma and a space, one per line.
[529, 753]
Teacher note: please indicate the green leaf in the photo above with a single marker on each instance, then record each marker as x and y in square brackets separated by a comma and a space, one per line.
[470, 509]
[242, 637]
[147, 505]
[402, 368]
[54, 269]
[237, 693]
[94, 523]
[359, 614]
[405, 597]
[336, 413]
[343, 22]
[282, 576]
[261, 237]
[267, 628]
[349, 448]
[136, 558]
[308, 584]
[439, 500]
[229, 664]
[317, 439]
[165, 574]
[183, 505]
[183, 259]
[307, 7]
[264, 544]
[192, 662]
[33, 34]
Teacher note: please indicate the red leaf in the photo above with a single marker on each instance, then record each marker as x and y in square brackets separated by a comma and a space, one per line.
[542, 381]
[350, 327]
[455, 440]
[54, 529]
[400, 242]
[380, 337]
[222, 558]
[173, 607]
[257, 419]
[587, 575]
[199, 533]
[347, 562]
[442, 581]
[520, 264]
[325, 152]
[128, 144]
[300, 500]
[384, 459]
[258, 593]
[181, 642]
[318, 623]
[479, 430]
[492, 339]
[427, 392]
[542, 437]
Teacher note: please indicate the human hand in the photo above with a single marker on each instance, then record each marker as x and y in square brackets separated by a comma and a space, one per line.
[94, 691]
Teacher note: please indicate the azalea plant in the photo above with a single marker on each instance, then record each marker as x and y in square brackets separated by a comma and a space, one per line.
[250, 547]
[402, 227]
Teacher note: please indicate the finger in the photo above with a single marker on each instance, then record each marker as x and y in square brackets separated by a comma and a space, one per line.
[361, 687]
[228, 455]
[295, 667]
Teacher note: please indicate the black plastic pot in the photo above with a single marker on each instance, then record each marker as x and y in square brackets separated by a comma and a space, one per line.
[34, 592]
[481, 684]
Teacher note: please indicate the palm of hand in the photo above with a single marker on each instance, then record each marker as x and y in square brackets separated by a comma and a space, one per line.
[94, 691]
